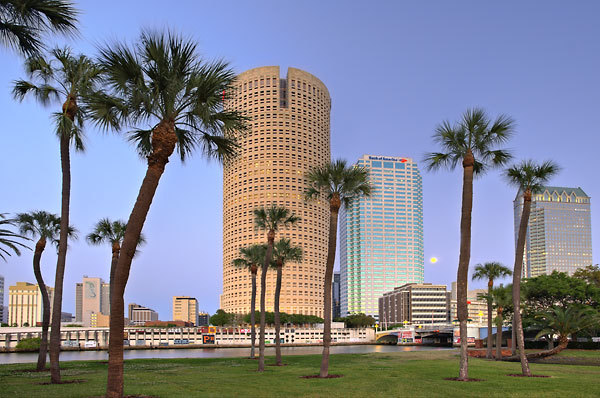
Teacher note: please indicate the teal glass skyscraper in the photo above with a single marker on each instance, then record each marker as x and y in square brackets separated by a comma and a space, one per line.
[381, 236]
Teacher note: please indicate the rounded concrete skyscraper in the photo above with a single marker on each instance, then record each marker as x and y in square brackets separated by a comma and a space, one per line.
[288, 135]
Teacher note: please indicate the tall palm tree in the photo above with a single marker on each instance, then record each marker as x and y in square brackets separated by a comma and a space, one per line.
[46, 227]
[271, 219]
[67, 78]
[112, 232]
[490, 271]
[8, 243]
[529, 177]
[163, 85]
[252, 257]
[472, 141]
[564, 322]
[283, 251]
[339, 183]
[23, 22]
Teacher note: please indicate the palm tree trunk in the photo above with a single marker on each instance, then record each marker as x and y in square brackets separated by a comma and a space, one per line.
[61, 261]
[277, 321]
[462, 276]
[116, 249]
[513, 339]
[517, 271]
[253, 316]
[499, 334]
[37, 256]
[334, 207]
[490, 340]
[563, 341]
[263, 288]
[163, 144]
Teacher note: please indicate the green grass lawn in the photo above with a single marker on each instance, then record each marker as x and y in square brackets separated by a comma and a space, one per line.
[403, 374]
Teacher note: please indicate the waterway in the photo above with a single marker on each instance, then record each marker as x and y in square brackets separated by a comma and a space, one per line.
[6, 358]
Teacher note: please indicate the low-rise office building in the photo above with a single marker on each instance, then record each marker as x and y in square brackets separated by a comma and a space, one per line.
[415, 304]
[139, 315]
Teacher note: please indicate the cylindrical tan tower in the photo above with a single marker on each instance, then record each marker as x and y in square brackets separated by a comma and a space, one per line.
[288, 135]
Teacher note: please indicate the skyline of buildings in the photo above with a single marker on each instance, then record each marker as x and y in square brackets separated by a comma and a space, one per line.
[559, 233]
[381, 236]
[25, 304]
[289, 134]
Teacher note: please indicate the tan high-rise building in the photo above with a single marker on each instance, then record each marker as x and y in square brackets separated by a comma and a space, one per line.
[185, 308]
[92, 296]
[288, 135]
[25, 304]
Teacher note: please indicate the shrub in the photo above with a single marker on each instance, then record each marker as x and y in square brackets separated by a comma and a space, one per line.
[32, 344]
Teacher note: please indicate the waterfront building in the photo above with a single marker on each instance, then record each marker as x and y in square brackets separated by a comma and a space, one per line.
[414, 304]
[381, 236]
[335, 295]
[2, 311]
[185, 308]
[288, 135]
[139, 315]
[477, 307]
[92, 295]
[559, 235]
[203, 318]
[25, 304]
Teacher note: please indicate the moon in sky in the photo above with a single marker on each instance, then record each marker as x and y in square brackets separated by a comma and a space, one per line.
[433, 260]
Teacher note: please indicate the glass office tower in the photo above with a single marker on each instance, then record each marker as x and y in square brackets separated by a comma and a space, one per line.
[381, 236]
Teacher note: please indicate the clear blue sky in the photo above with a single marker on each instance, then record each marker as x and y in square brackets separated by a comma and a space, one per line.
[394, 71]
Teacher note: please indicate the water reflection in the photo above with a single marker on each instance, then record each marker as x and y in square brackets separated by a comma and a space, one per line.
[6, 358]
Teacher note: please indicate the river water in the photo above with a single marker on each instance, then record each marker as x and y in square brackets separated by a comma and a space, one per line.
[6, 358]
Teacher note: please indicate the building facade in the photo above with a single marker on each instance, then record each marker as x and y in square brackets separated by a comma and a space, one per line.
[381, 236]
[92, 296]
[139, 315]
[185, 309]
[336, 311]
[288, 135]
[2, 311]
[25, 304]
[559, 234]
[414, 304]
[477, 307]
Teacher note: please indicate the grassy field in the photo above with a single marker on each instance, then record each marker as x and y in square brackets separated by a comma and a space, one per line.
[406, 374]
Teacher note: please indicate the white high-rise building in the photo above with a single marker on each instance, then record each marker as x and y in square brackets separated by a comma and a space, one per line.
[381, 236]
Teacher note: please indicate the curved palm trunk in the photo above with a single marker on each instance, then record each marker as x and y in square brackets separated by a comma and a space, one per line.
[518, 269]
[37, 256]
[334, 207]
[499, 334]
[490, 340]
[563, 341]
[65, 163]
[252, 316]
[462, 276]
[116, 249]
[163, 144]
[263, 288]
[277, 321]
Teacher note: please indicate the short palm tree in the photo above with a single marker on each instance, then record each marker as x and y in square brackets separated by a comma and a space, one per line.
[339, 183]
[473, 142]
[529, 177]
[8, 239]
[23, 22]
[252, 257]
[283, 252]
[271, 219]
[501, 298]
[112, 232]
[490, 271]
[564, 322]
[46, 227]
[67, 78]
[169, 99]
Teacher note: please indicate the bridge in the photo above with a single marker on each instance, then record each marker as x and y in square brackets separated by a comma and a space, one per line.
[421, 334]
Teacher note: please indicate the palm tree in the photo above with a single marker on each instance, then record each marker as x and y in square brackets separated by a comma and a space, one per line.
[46, 227]
[564, 322]
[65, 78]
[490, 271]
[271, 219]
[530, 178]
[472, 141]
[7, 238]
[252, 257]
[339, 183]
[283, 252]
[502, 301]
[162, 84]
[23, 22]
[106, 231]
